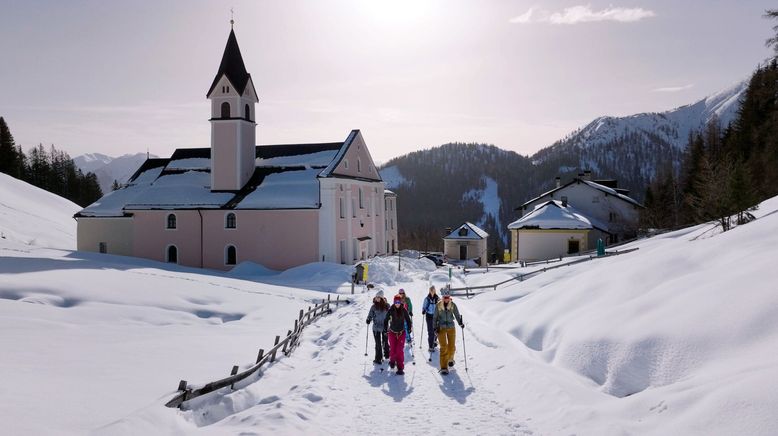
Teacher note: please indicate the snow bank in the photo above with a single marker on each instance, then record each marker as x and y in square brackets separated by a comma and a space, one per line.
[681, 313]
[32, 216]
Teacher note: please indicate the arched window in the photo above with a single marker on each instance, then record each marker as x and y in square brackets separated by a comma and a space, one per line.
[248, 113]
[361, 199]
[225, 110]
[230, 221]
[231, 255]
[172, 254]
[463, 231]
[171, 221]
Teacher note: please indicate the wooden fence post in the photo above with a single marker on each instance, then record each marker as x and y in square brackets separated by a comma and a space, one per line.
[328, 301]
[273, 357]
[233, 372]
[182, 385]
[260, 355]
[286, 344]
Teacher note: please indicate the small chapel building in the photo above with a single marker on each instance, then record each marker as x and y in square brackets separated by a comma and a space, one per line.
[276, 205]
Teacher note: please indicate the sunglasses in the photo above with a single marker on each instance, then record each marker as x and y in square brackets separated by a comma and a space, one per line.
[398, 302]
[446, 297]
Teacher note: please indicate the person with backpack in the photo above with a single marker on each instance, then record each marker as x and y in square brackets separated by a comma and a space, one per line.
[409, 307]
[446, 315]
[378, 312]
[394, 324]
[428, 309]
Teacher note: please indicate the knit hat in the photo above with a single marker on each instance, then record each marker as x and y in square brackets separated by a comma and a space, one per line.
[446, 292]
[378, 294]
[398, 298]
[402, 291]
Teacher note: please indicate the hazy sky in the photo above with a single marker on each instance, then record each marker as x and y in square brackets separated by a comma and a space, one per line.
[123, 77]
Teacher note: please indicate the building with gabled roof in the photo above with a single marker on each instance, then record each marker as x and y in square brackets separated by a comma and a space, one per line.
[599, 200]
[554, 229]
[276, 205]
[466, 242]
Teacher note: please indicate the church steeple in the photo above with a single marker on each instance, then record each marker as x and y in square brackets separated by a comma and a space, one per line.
[232, 67]
[233, 130]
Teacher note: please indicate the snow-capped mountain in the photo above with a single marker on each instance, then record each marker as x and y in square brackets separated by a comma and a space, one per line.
[487, 183]
[635, 147]
[107, 168]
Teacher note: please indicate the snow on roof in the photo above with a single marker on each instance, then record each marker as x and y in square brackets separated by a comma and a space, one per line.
[286, 190]
[473, 232]
[594, 185]
[611, 191]
[194, 163]
[388, 192]
[335, 161]
[191, 189]
[317, 159]
[553, 215]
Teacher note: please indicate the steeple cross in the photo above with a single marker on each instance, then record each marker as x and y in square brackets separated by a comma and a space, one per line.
[232, 18]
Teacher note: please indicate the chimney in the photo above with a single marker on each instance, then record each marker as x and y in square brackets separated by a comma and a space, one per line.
[564, 201]
[558, 181]
[587, 175]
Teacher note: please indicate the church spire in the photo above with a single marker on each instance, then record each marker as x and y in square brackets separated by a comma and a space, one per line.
[232, 66]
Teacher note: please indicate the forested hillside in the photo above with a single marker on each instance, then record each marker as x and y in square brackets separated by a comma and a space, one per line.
[52, 169]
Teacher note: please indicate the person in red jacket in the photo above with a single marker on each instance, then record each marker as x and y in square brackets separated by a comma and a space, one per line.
[394, 324]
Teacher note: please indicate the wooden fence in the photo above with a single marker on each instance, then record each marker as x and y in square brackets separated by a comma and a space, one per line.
[285, 345]
[470, 291]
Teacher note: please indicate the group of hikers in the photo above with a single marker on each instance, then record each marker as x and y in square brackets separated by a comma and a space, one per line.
[392, 324]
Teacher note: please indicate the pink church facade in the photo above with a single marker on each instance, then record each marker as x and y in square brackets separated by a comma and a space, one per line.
[276, 205]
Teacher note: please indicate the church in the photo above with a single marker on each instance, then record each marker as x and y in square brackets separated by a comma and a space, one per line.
[279, 206]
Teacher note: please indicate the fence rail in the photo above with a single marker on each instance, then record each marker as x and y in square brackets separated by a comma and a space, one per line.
[468, 290]
[286, 345]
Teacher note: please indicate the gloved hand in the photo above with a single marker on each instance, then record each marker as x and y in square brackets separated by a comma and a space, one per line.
[368, 322]
[461, 324]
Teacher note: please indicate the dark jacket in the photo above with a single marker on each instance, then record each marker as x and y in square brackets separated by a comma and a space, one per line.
[396, 319]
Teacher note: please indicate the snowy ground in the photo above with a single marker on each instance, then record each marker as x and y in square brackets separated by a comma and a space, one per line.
[678, 337]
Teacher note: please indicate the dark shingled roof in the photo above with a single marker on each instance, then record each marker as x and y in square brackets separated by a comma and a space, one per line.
[147, 165]
[270, 151]
[232, 66]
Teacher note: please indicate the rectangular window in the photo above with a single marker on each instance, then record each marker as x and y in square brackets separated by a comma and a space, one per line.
[103, 247]
[355, 248]
[342, 251]
[342, 207]
[353, 208]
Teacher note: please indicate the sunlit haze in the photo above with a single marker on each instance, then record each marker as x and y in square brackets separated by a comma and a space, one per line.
[127, 77]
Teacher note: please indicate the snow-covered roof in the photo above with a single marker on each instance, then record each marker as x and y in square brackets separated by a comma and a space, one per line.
[285, 177]
[388, 192]
[473, 232]
[594, 185]
[553, 215]
[284, 190]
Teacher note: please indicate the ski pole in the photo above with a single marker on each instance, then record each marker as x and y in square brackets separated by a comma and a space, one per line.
[367, 332]
[464, 347]
[423, 321]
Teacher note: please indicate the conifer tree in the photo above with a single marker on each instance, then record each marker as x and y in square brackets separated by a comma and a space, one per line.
[9, 161]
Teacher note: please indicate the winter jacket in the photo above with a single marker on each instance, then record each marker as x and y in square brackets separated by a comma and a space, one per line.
[445, 314]
[378, 317]
[428, 306]
[396, 319]
[408, 305]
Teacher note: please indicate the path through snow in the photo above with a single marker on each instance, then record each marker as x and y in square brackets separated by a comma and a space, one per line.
[328, 386]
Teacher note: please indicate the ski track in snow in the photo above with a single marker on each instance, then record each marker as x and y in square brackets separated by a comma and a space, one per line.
[328, 386]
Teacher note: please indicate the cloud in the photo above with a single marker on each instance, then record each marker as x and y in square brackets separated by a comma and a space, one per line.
[582, 14]
[673, 88]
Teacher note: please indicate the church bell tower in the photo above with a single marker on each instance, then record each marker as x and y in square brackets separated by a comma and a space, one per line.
[233, 126]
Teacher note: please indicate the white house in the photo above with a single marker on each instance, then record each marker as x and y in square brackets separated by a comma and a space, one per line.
[571, 217]
[275, 205]
[551, 230]
[466, 242]
[600, 200]
[390, 221]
